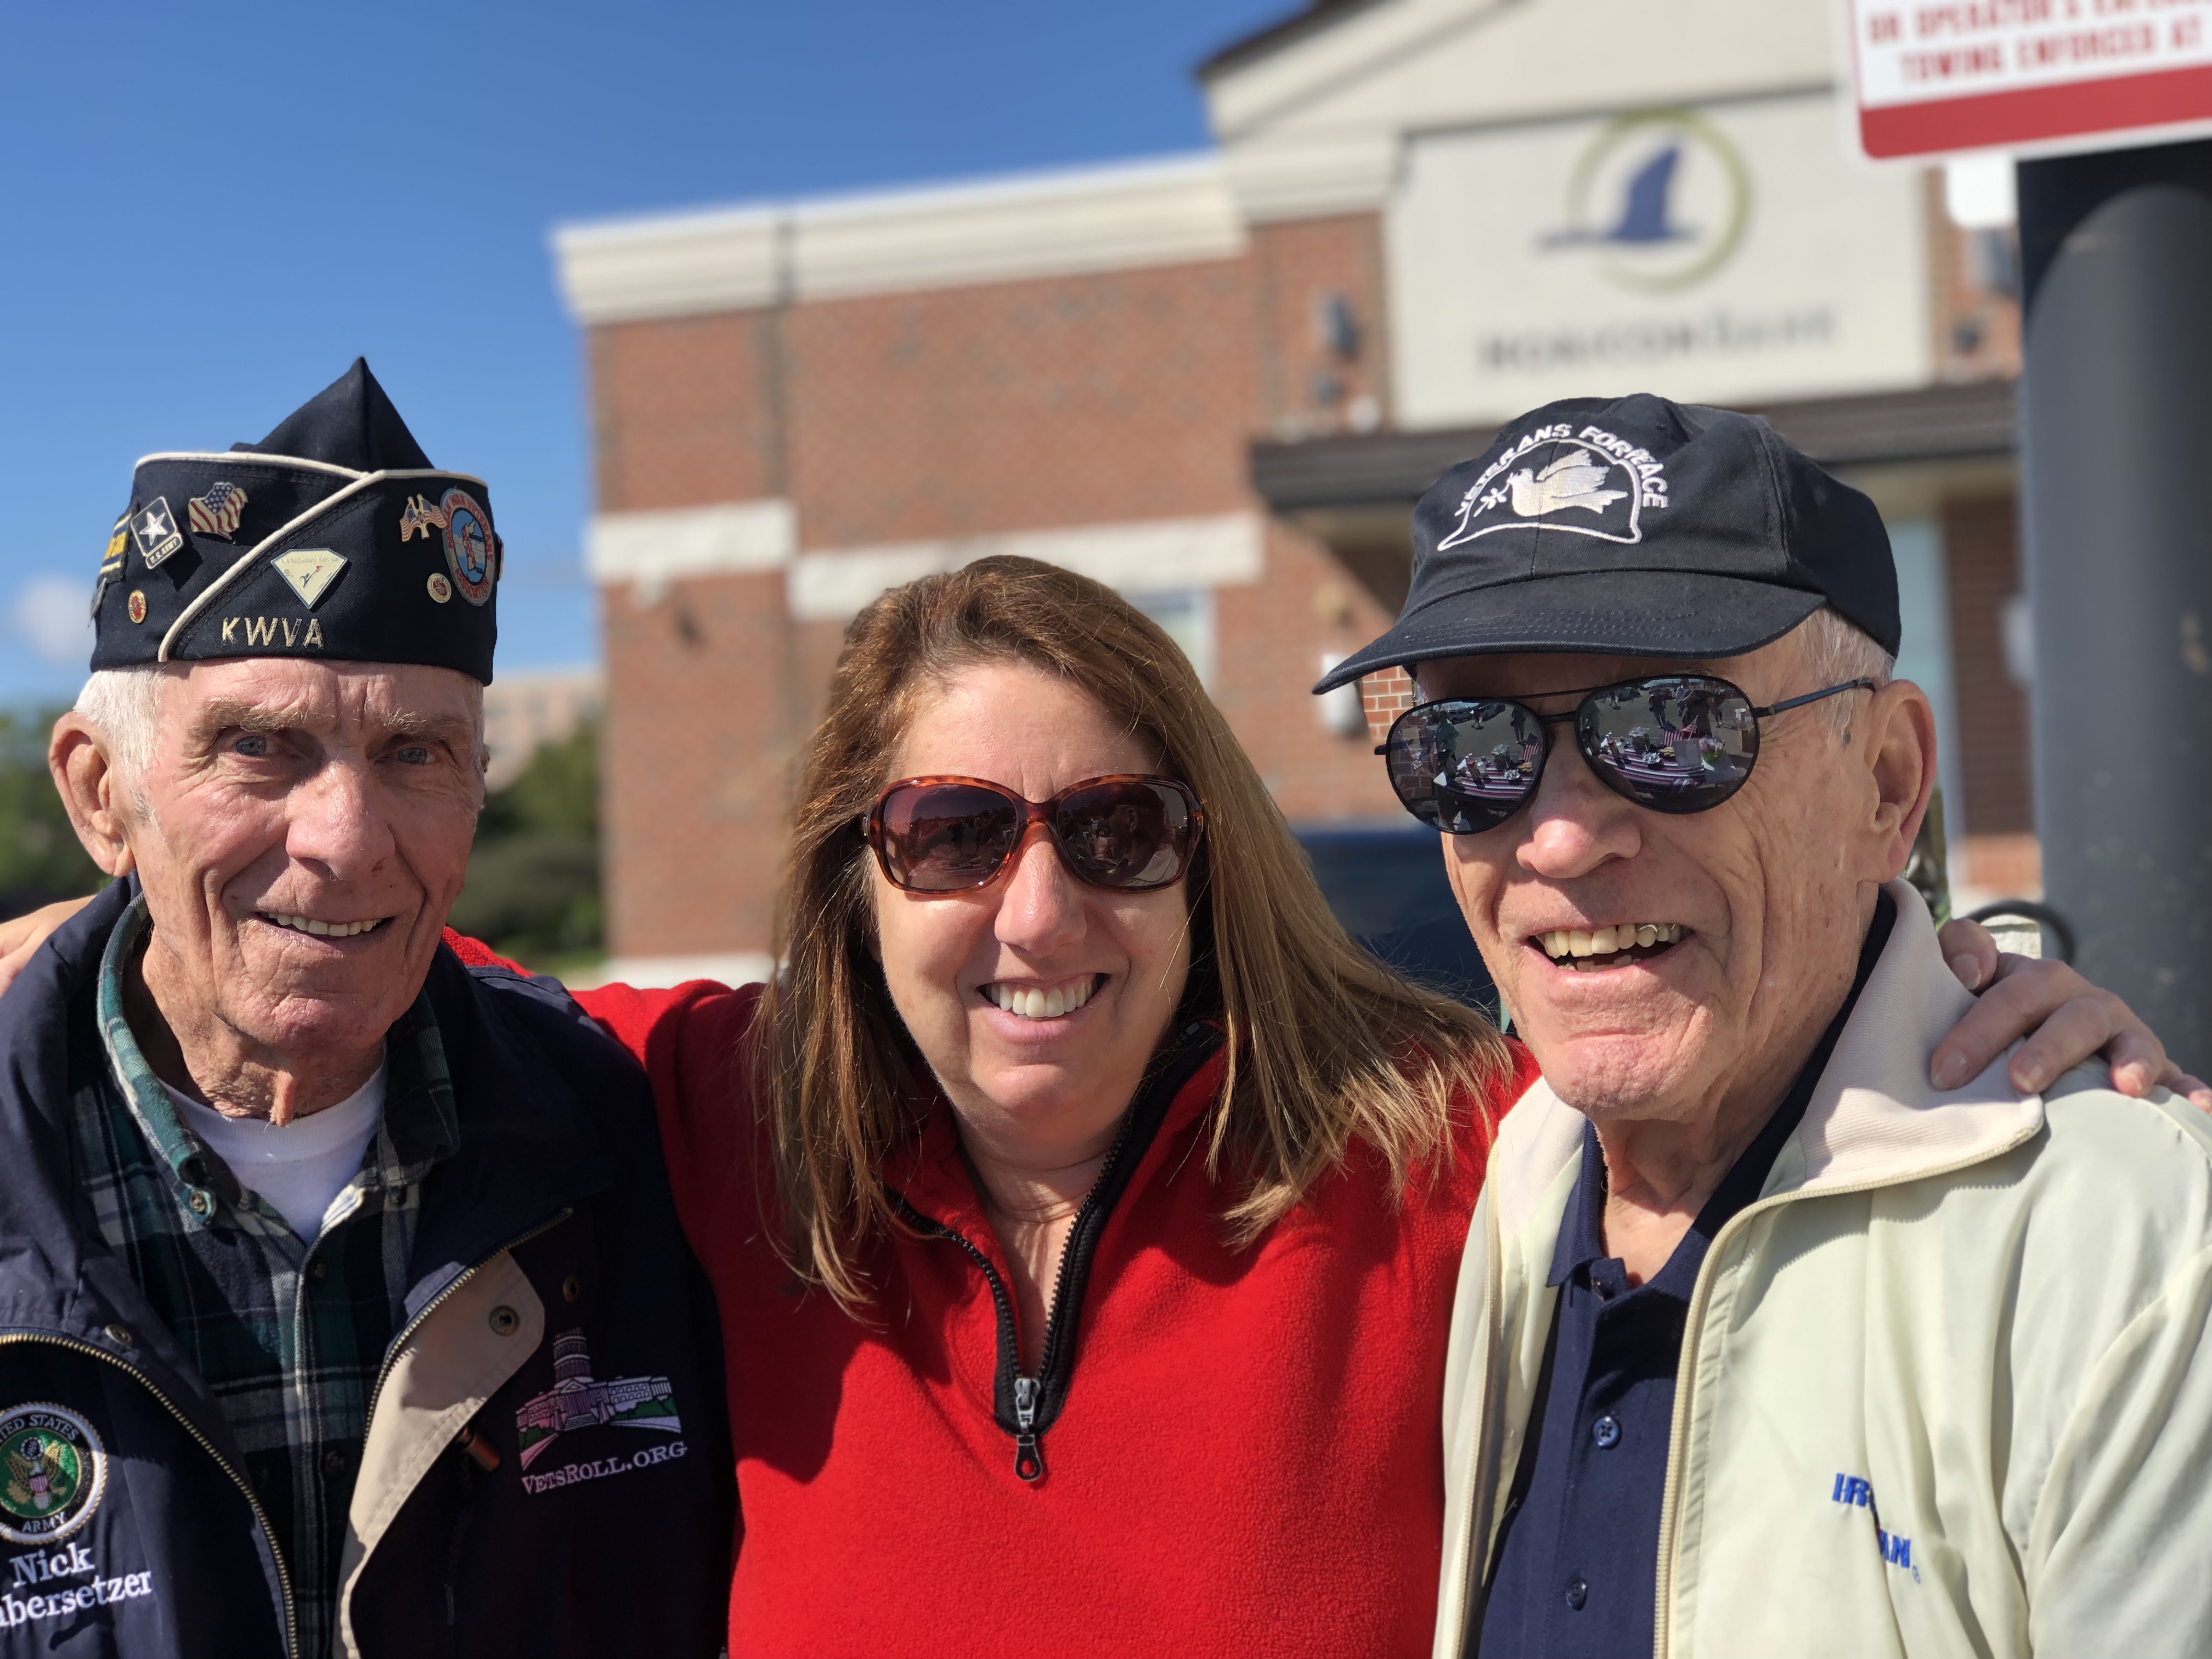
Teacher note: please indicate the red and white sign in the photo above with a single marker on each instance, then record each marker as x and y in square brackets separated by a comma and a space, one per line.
[1937, 76]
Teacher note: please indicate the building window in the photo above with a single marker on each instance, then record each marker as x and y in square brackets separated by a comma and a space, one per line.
[1923, 655]
[1187, 615]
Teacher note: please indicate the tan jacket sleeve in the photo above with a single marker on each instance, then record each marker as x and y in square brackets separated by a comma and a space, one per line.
[2117, 1553]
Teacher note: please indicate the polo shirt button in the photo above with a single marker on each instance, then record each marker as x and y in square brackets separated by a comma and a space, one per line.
[1577, 1592]
[1607, 1433]
[319, 1269]
[505, 1321]
[334, 1463]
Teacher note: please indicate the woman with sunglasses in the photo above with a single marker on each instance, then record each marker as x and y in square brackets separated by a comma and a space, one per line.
[1084, 1208]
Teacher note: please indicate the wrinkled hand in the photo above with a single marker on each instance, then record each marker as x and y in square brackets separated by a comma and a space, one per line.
[2064, 1018]
[20, 938]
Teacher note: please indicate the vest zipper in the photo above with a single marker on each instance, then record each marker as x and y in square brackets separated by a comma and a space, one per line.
[260, 1514]
[1028, 1462]
[1029, 1391]
[1036, 1401]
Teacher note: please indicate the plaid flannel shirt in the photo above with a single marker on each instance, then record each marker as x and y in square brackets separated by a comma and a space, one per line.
[288, 1336]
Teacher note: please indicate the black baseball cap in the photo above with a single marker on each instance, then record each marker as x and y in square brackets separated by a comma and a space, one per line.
[1634, 526]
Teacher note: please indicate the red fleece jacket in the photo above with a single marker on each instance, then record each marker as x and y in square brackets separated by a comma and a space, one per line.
[1247, 1453]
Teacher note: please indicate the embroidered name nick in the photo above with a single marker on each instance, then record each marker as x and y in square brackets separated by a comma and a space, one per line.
[43, 1568]
[271, 630]
[1854, 1491]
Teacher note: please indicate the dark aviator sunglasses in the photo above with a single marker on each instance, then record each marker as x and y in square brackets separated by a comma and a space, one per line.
[1125, 833]
[1675, 743]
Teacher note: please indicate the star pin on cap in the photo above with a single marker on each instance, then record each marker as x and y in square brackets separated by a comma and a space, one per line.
[332, 537]
[1634, 526]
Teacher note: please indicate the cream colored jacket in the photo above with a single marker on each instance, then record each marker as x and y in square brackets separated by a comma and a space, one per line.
[1946, 1387]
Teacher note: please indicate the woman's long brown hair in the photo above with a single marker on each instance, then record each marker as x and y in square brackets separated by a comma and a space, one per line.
[1325, 1045]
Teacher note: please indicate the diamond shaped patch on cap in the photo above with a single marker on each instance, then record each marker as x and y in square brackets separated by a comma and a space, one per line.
[310, 570]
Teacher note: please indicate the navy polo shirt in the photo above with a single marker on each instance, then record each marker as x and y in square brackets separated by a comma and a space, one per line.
[1576, 1570]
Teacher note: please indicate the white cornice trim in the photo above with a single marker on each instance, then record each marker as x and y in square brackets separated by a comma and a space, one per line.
[1154, 556]
[677, 266]
[1312, 176]
[1076, 223]
[659, 973]
[651, 547]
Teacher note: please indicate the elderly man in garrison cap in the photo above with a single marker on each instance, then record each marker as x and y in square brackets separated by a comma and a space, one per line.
[343, 1304]
[1763, 1345]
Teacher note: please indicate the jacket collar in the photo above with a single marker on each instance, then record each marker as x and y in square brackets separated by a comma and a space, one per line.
[1874, 1120]
[929, 1173]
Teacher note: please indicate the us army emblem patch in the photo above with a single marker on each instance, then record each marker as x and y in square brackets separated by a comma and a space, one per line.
[52, 1469]
[155, 530]
[309, 571]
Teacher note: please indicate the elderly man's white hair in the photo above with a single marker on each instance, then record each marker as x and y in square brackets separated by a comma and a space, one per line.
[1837, 652]
[124, 706]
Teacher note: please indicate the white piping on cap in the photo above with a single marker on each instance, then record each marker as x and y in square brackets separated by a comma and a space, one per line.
[360, 482]
[251, 457]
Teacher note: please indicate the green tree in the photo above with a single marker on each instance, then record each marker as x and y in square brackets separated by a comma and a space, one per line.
[534, 883]
[40, 859]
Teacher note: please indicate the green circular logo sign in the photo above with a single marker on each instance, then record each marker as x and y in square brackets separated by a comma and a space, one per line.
[1659, 198]
[51, 1469]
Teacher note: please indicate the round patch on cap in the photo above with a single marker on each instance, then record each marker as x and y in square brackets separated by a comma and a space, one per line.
[468, 545]
[52, 1469]
[137, 607]
[440, 589]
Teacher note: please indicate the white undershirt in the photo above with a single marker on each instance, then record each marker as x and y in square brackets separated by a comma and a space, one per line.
[300, 1168]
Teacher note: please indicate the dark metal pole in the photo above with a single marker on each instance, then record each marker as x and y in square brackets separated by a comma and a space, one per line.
[2116, 426]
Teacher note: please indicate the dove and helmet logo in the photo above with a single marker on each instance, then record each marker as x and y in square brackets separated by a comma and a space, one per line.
[1587, 482]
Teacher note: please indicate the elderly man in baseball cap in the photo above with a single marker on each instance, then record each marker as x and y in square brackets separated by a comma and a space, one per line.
[343, 1304]
[1763, 1345]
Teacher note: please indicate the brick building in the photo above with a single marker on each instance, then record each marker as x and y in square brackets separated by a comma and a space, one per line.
[1218, 382]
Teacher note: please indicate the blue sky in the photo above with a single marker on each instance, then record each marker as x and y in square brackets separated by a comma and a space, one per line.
[216, 207]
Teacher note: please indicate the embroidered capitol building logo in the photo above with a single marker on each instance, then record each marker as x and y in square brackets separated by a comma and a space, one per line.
[578, 1401]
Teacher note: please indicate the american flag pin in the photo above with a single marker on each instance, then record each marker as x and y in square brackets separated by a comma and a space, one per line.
[215, 513]
[419, 516]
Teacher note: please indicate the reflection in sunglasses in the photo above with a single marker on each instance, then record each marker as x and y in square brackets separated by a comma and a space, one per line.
[945, 834]
[1678, 743]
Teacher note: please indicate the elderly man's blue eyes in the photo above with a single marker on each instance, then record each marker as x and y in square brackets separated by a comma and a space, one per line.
[259, 747]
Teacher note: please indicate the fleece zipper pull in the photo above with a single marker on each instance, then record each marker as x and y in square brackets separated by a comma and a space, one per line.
[1028, 1461]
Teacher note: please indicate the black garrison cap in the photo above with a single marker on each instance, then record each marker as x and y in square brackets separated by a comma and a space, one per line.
[332, 537]
[1634, 526]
